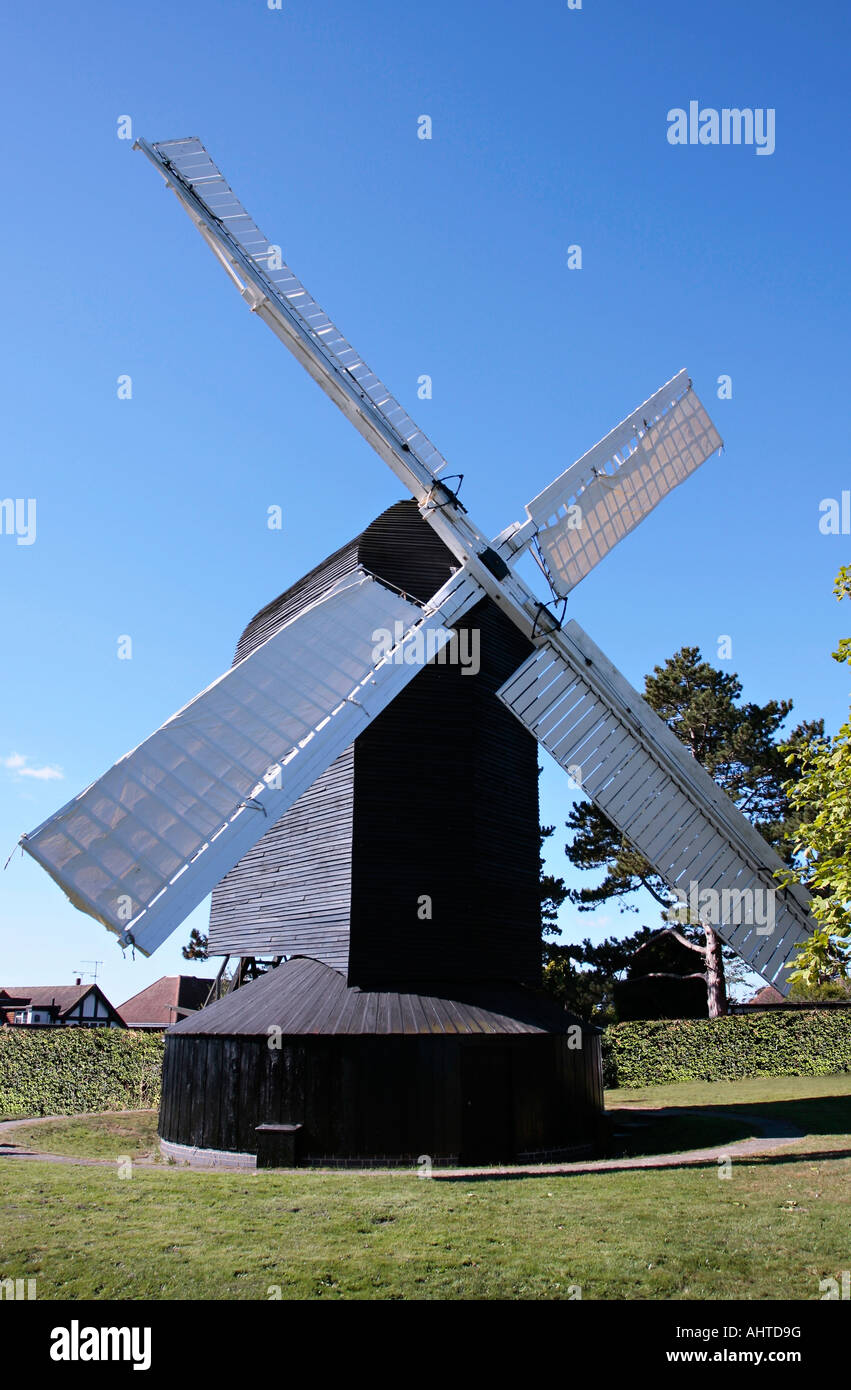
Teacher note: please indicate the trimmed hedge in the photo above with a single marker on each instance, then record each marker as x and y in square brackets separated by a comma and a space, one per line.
[64, 1071]
[812, 1042]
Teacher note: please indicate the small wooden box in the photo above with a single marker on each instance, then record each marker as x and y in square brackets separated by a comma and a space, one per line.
[277, 1146]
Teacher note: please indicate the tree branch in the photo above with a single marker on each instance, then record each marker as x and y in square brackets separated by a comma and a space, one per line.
[672, 931]
[663, 902]
[671, 975]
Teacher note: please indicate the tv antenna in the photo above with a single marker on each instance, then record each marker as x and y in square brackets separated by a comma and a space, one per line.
[92, 973]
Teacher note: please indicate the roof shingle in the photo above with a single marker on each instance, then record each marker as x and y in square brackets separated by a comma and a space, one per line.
[166, 1000]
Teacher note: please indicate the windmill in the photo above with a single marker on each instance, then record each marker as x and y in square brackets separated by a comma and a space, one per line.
[143, 845]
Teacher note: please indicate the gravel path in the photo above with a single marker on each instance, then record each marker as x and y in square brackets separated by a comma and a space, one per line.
[775, 1134]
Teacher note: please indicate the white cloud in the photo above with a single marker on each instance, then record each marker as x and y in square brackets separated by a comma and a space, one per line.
[44, 774]
[18, 763]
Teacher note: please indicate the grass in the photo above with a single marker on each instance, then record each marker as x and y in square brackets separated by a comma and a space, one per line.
[818, 1105]
[772, 1230]
[108, 1136]
[753, 1089]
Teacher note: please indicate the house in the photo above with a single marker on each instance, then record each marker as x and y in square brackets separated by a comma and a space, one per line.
[663, 980]
[767, 995]
[766, 998]
[168, 999]
[770, 999]
[77, 1005]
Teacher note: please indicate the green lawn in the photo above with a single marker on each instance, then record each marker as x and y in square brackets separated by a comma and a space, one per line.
[813, 1104]
[754, 1089]
[772, 1230]
[92, 1136]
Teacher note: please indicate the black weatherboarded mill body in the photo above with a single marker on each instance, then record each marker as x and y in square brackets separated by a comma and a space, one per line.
[402, 888]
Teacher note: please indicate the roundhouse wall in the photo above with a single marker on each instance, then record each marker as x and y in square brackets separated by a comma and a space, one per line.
[469, 1099]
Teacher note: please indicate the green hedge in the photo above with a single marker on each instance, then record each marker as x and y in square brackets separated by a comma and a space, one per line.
[64, 1071]
[812, 1042]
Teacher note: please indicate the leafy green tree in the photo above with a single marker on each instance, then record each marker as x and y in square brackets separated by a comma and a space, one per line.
[821, 839]
[829, 989]
[737, 742]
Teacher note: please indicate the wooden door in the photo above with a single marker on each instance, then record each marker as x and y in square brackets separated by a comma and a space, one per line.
[487, 1130]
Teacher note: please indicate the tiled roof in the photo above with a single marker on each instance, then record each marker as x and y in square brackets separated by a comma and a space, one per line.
[42, 996]
[767, 995]
[163, 1002]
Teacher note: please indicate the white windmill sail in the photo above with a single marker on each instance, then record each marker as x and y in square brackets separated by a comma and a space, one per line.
[145, 843]
[276, 295]
[614, 746]
[607, 492]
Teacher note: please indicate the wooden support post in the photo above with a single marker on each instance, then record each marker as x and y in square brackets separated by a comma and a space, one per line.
[216, 987]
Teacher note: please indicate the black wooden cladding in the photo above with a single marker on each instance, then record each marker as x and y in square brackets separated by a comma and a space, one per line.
[415, 856]
[475, 1074]
[446, 824]
[461, 1098]
[291, 893]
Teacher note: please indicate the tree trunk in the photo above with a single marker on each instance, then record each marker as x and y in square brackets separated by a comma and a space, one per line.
[716, 987]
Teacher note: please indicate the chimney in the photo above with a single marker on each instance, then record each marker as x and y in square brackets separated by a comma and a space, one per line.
[78, 981]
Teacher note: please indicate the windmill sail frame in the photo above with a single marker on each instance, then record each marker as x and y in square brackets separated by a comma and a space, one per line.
[617, 750]
[613, 487]
[146, 842]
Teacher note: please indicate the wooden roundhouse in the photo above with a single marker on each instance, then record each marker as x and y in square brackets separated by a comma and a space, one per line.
[401, 890]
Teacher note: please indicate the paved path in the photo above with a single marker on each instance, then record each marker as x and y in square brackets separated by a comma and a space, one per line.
[775, 1134]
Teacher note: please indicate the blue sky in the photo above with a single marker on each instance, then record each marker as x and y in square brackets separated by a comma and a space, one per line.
[446, 257]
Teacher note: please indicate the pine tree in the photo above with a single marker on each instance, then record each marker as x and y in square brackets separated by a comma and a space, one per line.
[197, 946]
